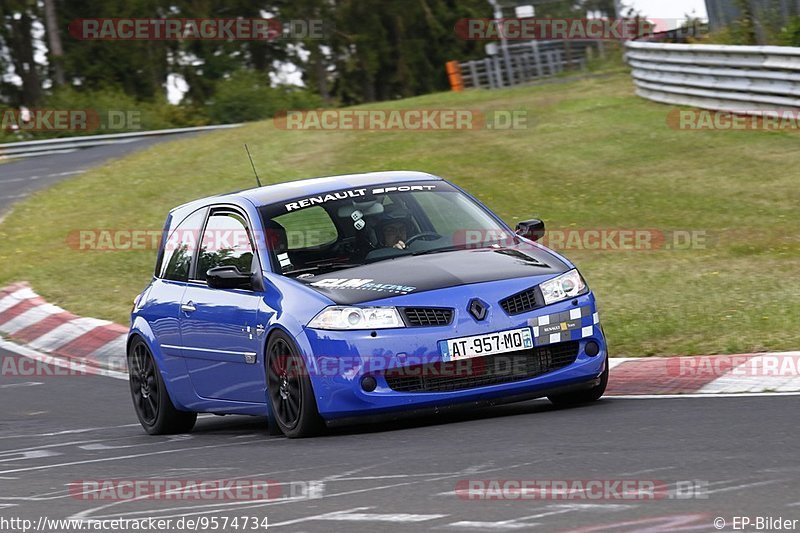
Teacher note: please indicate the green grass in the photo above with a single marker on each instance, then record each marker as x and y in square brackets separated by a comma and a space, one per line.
[594, 156]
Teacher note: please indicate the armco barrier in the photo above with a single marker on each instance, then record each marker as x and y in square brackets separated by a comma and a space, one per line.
[31, 148]
[743, 79]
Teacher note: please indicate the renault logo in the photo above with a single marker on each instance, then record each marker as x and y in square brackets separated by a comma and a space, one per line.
[477, 309]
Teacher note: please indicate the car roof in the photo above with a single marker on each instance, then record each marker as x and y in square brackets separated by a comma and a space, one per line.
[290, 190]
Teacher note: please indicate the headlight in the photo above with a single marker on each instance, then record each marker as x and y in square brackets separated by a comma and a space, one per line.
[563, 287]
[340, 317]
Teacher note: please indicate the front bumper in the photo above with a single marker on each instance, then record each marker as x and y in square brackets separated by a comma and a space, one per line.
[341, 359]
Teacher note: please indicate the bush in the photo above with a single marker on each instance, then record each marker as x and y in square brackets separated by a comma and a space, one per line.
[244, 96]
[114, 111]
[790, 34]
[248, 95]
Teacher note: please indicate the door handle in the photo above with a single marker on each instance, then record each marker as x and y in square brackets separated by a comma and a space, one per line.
[188, 308]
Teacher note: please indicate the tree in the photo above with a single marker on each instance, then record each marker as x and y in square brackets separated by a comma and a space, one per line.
[16, 34]
[386, 50]
[56, 50]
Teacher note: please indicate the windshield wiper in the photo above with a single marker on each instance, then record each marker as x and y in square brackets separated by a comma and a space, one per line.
[439, 250]
[324, 267]
[487, 244]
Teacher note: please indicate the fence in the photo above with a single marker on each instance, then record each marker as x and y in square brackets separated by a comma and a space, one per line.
[742, 79]
[526, 62]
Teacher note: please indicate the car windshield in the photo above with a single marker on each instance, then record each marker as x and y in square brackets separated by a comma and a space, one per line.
[344, 228]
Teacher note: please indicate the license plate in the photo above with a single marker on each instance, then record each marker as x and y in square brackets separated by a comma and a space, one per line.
[488, 344]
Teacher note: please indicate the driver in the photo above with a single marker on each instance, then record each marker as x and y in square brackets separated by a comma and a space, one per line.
[393, 229]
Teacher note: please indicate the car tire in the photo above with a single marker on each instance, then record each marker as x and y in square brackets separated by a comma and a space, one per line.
[152, 403]
[584, 396]
[289, 391]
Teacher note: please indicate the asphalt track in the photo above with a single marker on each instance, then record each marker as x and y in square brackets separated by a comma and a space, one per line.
[21, 177]
[739, 453]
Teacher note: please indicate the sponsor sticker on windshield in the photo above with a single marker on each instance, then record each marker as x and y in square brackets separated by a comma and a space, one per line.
[353, 193]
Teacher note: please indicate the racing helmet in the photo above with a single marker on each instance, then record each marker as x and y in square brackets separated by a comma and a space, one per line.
[388, 218]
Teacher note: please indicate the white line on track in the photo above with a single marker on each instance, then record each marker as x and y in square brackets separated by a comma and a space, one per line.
[745, 486]
[32, 454]
[97, 446]
[378, 517]
[25, 384]
[555, 509]
[647, 471]
[241, 505]
[317, 517]
[68, 432]
[707, 395]
[133, 456]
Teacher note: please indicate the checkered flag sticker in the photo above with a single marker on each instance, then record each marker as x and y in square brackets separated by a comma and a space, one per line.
[571, 325]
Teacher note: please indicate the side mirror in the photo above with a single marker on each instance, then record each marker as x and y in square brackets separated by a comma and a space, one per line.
[532, 229]
[229, 277]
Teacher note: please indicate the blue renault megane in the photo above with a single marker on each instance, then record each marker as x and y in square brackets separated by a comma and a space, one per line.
[354, 298]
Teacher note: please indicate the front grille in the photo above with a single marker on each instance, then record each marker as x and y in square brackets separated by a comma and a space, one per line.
[482, 371]
[427, 316]
[522, 302]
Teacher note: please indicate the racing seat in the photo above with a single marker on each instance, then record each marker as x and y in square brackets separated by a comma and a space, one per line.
[278, 243]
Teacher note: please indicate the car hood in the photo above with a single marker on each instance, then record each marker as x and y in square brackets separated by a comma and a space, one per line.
[414, 274]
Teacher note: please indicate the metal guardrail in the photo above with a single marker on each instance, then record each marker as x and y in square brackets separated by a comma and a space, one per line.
[741, 79]
[48, 146]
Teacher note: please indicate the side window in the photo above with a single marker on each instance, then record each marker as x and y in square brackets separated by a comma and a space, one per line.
[226, 242]
[308, 228]
[180, 247]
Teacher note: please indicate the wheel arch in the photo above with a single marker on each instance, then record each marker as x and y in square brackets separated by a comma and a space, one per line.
[142, 330]
[303, 349]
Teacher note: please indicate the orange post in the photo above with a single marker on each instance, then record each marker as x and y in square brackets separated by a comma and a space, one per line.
[454, 74]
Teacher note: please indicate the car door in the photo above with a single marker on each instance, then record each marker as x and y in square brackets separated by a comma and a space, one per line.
[220, 328]
[162, 311]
